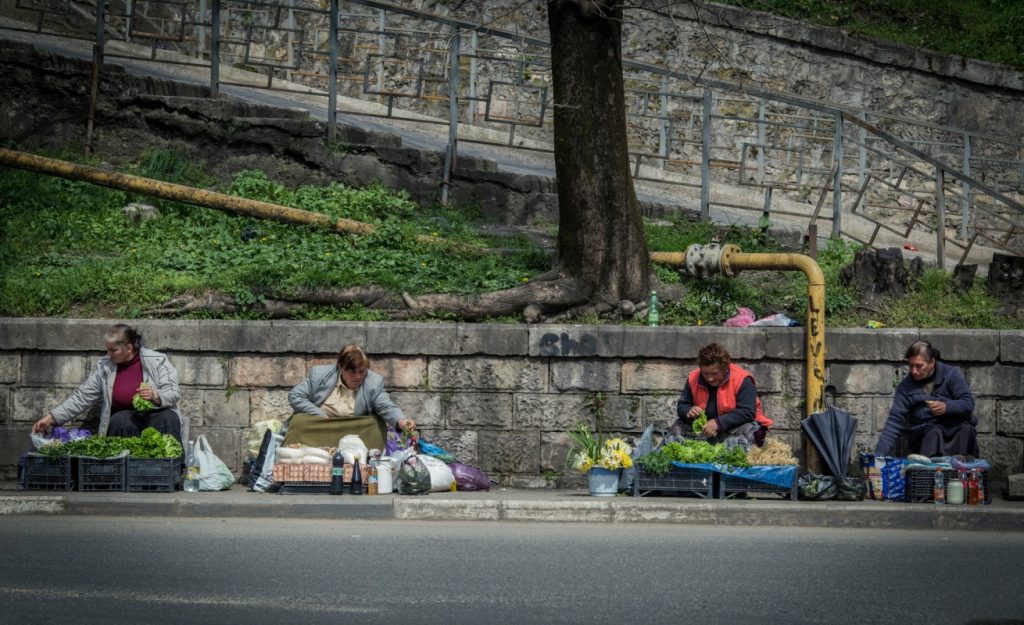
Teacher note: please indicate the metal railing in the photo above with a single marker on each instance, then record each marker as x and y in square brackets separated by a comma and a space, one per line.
[868, 174]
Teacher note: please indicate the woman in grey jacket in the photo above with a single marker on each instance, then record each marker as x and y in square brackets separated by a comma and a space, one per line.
[341, 399]
[127, 369]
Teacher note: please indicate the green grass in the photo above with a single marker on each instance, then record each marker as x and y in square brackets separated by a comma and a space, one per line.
[990, 30]
[67, 249]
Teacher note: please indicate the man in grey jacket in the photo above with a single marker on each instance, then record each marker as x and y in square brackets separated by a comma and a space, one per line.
[127, 370]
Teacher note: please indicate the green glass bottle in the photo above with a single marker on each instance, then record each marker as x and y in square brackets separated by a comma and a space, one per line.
[653, 317]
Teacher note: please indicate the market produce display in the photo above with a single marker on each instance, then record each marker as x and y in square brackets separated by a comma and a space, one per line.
[149, 444]
[773, 453]
[700, 422]
[660, 461]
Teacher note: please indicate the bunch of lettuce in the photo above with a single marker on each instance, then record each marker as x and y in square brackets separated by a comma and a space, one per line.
[153, 444]
[693, 452]
[149, 444]
[140, 404]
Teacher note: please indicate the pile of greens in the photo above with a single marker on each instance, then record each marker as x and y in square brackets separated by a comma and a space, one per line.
[659, 462]
[700, 422]
[149, 444]
[139, 403]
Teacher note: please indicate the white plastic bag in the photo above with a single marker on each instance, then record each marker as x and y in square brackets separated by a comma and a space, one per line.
[441, 476]
[254, 438]
[213, 473]
[353, 447]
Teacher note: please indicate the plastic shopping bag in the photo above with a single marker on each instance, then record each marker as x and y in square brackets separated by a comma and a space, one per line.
[469, 478]
[441, 476]
[213, 473]
[413, 477]
[430, 449]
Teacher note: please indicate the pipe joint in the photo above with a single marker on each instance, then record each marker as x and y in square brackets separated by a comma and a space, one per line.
[707, 260]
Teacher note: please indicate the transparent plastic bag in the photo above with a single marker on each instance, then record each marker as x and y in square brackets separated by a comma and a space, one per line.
[413, 477]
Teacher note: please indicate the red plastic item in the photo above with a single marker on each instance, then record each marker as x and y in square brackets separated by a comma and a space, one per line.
[908, 246]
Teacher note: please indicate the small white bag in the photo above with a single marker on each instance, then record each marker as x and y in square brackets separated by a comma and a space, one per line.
[441, 476]
[213, 473]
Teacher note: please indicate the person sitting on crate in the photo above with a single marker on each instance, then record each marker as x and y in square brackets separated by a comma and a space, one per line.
[135, 388]
[935, 405]
[727, 394]
[342, 399]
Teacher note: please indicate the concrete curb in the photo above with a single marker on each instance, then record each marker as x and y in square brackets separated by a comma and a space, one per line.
[526, 506]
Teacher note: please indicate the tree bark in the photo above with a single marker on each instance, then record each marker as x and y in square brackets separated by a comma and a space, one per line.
[600, 230]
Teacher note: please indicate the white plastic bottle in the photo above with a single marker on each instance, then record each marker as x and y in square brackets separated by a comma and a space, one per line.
[191, 484]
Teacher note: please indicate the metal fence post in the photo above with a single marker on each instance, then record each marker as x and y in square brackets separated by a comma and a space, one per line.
[837, 180]
[705, 159]
[940, 218]
[215, 49]
[965, 197]
[332, 75]
[760, 141]
[474, 41]
[664, 145]
[201, 29]
[453, 117]
[97, 64]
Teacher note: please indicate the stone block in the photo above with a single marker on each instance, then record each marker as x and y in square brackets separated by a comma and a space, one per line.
[505, 453]
[227, 444]
[232, 337]
[1010, 417]
[786, 343]
[30, 404]
[176, 335]
[6, 404]
[478, 410]
[794, 376]
[492, 339]
[654, 375]
[997, 381]
[316, 337]
[866, 379]
[39, 369]
[963, 345]
[406, 373]
[519, 374]
[225, 408]
[769, 377]
[1015, 486]
[585, 375]
[61, 335]
[785, 411]
[986, 410]
[268, 404]
[662, 342]
[266, 371]
[14, 441]
[422, 339]
[659, 409]
[1011, 346]
[200, 370]
[743, 344]
[10, 367]
[1004, 454]
[424, 408]
[554, 447]
[463, 444]
[883, 344]
[191, 405]
[561, 412]
[575, 341]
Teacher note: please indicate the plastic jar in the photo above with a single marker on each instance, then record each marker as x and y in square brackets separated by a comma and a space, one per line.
[955, 492]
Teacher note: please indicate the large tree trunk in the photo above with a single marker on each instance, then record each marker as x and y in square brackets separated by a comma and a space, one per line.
[600, 231]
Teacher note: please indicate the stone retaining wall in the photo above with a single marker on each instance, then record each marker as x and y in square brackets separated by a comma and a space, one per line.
[502, 396]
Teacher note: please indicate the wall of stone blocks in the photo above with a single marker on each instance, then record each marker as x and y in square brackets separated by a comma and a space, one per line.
[502, 396]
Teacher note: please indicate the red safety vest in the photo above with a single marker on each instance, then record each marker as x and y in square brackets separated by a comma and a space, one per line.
[726, 393]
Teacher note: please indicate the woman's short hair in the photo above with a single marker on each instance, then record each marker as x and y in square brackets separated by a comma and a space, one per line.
[124, 334]
[923, 349]
[352, 357]
[713, 354]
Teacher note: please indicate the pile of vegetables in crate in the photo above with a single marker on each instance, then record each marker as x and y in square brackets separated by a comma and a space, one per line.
[659, 461]
[149, 444]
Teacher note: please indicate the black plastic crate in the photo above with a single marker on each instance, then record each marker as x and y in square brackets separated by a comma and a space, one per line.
[730, 486]
[45, 473]
[102, 474]
[153, 475]
[920, 484]
[305, 488]
[682, 480]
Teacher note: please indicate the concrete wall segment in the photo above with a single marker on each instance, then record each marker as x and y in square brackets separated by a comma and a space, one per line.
[866, 344]
[492, 339]
[40, 369]
[10, 368]
[1011, 346]
[964, 345]
[421, 339]
[585, 375]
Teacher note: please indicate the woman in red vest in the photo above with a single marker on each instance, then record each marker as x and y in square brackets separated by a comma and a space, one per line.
[727, 394]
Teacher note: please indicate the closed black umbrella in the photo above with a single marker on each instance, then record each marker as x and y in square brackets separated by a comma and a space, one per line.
[832, 431]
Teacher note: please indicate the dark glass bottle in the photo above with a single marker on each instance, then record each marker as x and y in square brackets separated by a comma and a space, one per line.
[337, 473]
[357, 478]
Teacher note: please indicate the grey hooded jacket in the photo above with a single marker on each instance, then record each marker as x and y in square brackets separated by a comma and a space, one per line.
[157, 371]
[371, 398]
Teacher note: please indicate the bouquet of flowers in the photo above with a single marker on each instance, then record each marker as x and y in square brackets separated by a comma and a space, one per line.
[589, 451]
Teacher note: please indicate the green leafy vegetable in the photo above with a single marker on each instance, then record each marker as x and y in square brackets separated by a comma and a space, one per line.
[700, 422]
[140, 404]
[692, 452]
[153, 444]
[149, 444]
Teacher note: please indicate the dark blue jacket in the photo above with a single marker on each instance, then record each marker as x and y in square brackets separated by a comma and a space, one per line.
[909, 410]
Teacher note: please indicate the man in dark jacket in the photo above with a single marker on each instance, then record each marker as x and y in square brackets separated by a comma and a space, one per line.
[935, 405]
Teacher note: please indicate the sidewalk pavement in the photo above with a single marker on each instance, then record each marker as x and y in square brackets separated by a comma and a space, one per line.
[506, 504]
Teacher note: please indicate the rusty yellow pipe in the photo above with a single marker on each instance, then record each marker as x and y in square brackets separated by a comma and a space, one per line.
[189, 195]
[731, 261]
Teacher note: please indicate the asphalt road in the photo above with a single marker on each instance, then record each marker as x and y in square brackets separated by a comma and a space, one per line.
[104, 570]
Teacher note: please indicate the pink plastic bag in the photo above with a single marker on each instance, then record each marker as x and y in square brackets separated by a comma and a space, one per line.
[744, 317]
